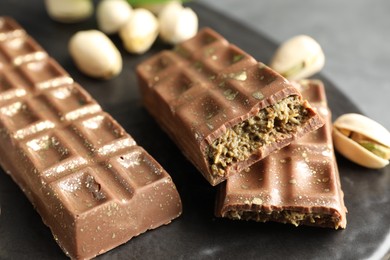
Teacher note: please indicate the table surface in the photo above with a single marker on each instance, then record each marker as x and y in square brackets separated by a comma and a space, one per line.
[354, 35]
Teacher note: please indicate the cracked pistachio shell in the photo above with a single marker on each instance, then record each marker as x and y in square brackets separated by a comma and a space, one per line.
[369, 130]
[69, 11]
[177, 23]
[140, 31]
[298, 58]
[95, 55]
[111, 15]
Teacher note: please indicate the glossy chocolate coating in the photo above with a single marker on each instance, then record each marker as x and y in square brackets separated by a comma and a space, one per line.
[301, 178]
[207, 85]
[88, 179]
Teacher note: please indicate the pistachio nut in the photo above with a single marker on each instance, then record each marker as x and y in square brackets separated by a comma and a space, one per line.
[140, 31]
[298, 58]
[177, 23]
[111, 15]
[362, 140]
[155, 7]
[69, 11]
[95, 55]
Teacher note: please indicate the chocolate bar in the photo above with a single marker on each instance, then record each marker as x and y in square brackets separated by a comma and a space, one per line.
[91, 183]
[224, 109]
[298, 184]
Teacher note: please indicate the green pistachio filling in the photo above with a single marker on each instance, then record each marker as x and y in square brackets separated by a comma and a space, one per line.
[271, 124]
[286, 216]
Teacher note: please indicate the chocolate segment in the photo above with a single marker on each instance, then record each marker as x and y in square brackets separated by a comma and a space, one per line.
[88, 179]
[298, 184]
[224, 110]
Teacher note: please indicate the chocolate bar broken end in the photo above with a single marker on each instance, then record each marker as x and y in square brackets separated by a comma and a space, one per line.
[298, 184]
[224, 109]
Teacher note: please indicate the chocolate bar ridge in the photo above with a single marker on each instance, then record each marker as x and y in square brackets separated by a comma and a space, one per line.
[93, 186]
[223, 109]
[298, 184]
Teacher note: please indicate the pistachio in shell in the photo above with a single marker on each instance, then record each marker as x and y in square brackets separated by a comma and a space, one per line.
[362, 140]
[298, 58]
[140, 31]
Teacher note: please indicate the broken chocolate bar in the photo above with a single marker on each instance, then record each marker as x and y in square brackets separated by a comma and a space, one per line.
[298, 184]
[88, 179]
[223, 109]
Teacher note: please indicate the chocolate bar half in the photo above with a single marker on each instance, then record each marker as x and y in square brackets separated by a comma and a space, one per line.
[224, 109]
[298, 184]
[88, 179]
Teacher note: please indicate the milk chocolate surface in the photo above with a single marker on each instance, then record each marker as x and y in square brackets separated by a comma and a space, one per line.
[224, 109]
[91, 183]
[298, 184]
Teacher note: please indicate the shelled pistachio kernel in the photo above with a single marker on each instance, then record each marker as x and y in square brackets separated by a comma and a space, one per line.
[155, 6]
[362, 140]
[298, 58]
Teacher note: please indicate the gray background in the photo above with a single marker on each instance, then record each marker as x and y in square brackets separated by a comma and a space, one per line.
[354, 34]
